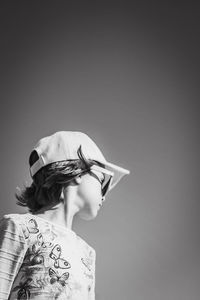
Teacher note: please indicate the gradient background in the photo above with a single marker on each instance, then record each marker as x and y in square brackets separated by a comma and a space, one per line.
[127, 75]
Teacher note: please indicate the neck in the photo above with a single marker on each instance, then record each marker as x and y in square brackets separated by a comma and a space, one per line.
[63, 212]
[55, 214]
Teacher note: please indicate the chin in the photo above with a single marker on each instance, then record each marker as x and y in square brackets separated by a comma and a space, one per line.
[88, 216]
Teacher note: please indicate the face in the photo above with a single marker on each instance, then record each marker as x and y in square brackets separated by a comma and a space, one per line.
[90, 191]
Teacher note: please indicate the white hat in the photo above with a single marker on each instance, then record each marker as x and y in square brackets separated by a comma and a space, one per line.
[63, 145]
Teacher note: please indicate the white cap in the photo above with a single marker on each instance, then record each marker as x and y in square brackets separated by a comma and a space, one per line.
[63, 145]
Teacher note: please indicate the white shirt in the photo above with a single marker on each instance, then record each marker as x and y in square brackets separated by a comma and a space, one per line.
[42, 260]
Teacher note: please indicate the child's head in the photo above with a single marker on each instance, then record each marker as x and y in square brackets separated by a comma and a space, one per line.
[58, 161]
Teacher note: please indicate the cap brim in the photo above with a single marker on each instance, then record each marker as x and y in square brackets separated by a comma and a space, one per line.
[118, 171]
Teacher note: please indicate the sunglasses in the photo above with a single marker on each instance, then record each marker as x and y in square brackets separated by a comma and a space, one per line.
[107, 180]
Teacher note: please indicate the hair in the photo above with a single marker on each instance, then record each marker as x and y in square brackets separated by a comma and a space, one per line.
[49, 182]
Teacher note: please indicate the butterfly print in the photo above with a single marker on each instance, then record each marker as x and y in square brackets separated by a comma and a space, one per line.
[23, 293]
[87, 263]
[57, 278]
[35, 256]
[24, 290]
[42, 243]
[58, 261]
[31, 227]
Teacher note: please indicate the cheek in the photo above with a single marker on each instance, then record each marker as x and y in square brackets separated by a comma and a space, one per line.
[89, 210]
[90, 193]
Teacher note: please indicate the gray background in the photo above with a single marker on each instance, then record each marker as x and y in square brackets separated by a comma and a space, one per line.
[127, 75]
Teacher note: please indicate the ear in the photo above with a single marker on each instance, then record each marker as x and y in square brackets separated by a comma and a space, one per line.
[78, 179]
[62, 194]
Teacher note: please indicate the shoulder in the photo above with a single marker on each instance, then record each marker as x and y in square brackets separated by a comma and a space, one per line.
[87, 249]
[10, 227]
[10, 220]
[13, 219]
[20, 219]
[17, 223]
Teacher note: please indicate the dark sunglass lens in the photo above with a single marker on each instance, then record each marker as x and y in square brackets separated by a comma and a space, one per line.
[105, 188]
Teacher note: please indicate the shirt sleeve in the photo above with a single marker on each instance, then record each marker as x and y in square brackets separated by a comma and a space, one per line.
[12, 251]
[92, 289]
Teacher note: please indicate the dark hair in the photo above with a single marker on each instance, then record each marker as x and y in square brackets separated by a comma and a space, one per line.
[50, 180]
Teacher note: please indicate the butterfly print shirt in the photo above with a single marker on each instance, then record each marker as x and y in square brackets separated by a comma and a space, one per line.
[42, 260]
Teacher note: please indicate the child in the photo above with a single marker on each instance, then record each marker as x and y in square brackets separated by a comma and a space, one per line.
[41, 257]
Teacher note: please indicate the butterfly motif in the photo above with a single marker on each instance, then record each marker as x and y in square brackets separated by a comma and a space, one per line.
[87, 262]
[23, 294]
[57, 278]
[31, 227]
[42, 243]
[23, 290]
[35, 256]
[58, 261]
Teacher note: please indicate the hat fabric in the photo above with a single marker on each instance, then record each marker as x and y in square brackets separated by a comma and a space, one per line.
[64, 145]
